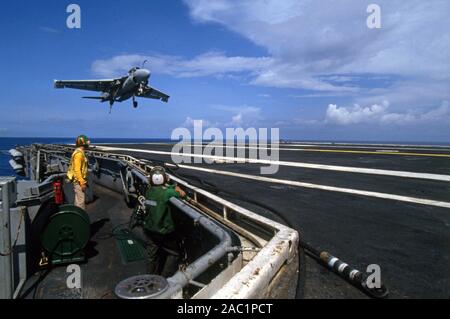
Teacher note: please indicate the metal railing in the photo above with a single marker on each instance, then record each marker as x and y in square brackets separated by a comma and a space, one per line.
[250, 282]
[182, 278]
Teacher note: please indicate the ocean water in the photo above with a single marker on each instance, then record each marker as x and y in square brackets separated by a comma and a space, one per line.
[7, 143]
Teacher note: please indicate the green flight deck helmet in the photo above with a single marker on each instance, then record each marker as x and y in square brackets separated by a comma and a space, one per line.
[83, 140]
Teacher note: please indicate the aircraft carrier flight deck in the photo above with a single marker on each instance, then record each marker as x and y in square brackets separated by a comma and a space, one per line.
[367, 204]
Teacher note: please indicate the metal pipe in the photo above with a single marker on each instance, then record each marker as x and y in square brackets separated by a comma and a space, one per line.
[241, 231]
[5, 242]
[38, 167]
[198, 284]
[182, 278]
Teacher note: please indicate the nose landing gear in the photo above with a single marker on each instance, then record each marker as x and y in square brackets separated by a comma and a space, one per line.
[141, 89]
[135, 103]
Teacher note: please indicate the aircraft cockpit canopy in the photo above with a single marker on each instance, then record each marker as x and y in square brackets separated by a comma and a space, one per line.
[132, 70]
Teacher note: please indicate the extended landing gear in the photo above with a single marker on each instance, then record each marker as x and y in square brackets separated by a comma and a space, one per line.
[135, 103]
[111, 102]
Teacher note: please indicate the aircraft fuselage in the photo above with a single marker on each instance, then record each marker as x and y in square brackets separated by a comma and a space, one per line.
[130, 87]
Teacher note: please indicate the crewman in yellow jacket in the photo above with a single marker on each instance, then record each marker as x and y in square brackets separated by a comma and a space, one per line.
[78, 171]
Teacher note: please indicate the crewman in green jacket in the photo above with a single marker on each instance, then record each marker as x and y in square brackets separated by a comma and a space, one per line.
[154, 225]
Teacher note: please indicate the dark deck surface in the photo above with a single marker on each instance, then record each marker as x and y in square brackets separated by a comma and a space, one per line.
[410, 241]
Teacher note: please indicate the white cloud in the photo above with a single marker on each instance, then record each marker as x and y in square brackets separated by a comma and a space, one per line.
[49, 30]
[213, 63]
[291, 75]
[325, 45]
[264, 71]
[380, 114]
[237, 119]
[355, 114]
[189, 123]
[241, 109]
[325, 48]
[243, 115]
[315, 45]
[266, 11]
[210, 63]
[324, 35]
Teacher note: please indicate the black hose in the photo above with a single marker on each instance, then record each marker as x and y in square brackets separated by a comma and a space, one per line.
[301, 279]
[345, 271]
[351, 275]
[35, 286]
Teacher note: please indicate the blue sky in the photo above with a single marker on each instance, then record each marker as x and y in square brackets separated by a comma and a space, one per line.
[311, 68]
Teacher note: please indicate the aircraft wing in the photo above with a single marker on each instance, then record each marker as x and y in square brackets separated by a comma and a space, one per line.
[152, 93]
[89, 85]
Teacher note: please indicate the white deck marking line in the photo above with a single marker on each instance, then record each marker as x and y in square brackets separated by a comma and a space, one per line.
[356, 146]
[324, 150]
[285, 147]
[400, 198]
[376, 152]
[372, 171]
[368, 145]
[389, 148]
[387, 151]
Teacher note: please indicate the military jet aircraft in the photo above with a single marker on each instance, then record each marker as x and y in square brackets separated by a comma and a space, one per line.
[133, 85]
